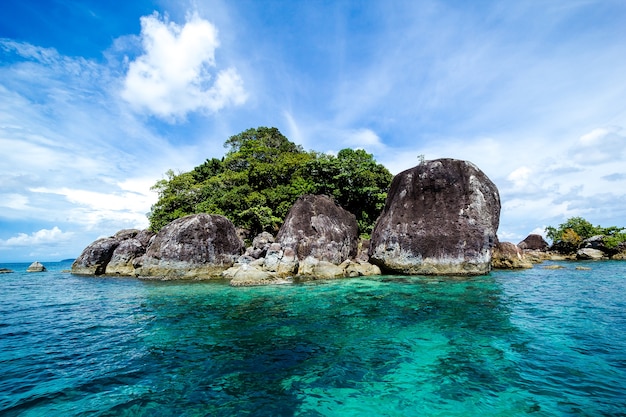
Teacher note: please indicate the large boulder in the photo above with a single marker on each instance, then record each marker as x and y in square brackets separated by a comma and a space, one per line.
[198, 246]
[125, 259]
[440, 218]
[590, 254]
[507, 255]
[95, 257]
[317, 227]
[534, 242]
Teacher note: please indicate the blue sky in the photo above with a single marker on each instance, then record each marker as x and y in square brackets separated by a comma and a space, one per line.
[98, 99]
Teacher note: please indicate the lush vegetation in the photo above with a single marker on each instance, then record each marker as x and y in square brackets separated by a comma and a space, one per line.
[576, 229]
[261, 176]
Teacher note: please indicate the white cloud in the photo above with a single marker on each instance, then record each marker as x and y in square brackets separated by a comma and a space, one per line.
[14, 201]
[173, 77]
[362, 138]
[520, 176]
[43, 236]
[92, 208]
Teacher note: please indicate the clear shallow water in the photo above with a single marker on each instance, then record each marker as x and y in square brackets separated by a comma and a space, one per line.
[537, 342]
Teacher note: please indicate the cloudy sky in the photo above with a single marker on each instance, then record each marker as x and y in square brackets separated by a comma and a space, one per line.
[98, 99]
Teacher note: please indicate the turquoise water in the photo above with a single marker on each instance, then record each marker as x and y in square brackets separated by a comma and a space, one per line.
[537, 342]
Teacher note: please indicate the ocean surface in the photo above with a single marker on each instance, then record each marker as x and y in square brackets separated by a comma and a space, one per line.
[537, 342]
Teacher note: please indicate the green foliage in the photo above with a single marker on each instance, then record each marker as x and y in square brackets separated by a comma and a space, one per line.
[577, 229]
[262, 175]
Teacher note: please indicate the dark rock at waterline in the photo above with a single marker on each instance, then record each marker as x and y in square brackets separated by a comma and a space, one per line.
[125, 258]
[534, 242]
[36, 267]
[106, 256]
[317, 227]
[95, 257]
[440, 218]
[198, 246]
[6, 271]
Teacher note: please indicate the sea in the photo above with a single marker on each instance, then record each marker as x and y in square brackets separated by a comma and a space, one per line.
[537, 342]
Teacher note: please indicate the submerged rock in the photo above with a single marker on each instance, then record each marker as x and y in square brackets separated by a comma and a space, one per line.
[440, 218]
[198, 246]
[36, 267]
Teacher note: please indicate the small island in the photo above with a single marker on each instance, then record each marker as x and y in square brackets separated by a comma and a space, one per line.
[271, 213]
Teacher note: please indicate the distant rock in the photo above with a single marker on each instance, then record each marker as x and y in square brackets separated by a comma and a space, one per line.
[507, 255]
[554, 267]
[198, 246]
[36, 267]
[5, 271]
[590, 254]
[440, 218]
[534, 242]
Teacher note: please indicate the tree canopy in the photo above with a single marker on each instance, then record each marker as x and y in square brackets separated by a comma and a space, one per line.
[576, 229]
[261, 176]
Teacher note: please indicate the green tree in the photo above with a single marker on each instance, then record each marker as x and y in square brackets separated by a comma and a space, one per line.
[262, 175]
[576, 229]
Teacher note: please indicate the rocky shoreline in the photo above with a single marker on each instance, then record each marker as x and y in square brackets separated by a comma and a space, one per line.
[440, 218]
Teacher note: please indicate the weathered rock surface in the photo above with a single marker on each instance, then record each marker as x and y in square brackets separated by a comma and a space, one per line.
[36, 267]
[316, 226]
[534, 242]
[198, 246]
[440, 218]
[260, 245]
[125, 259]
[507, 255]
[318, 240]
[248, 276]
[590, 254]
[95, 257]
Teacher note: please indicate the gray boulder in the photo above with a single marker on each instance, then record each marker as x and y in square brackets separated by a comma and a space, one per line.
[534, 242]
[95, 257]
[125, 259]
[198, 246]
[440, 218]
[316, 226]
[590, 254]
[36, 267]
[507, 255]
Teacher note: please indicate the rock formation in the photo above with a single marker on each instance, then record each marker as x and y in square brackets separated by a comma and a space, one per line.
[318, 240]
[507, 255]
[590, 254]
[36, 267]
[534, 242]
[198, 246]
[95, 257]
[316, 226]
[125, 259]
[440, 218]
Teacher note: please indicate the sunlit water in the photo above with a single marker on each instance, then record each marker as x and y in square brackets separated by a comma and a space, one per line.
[536, 342]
